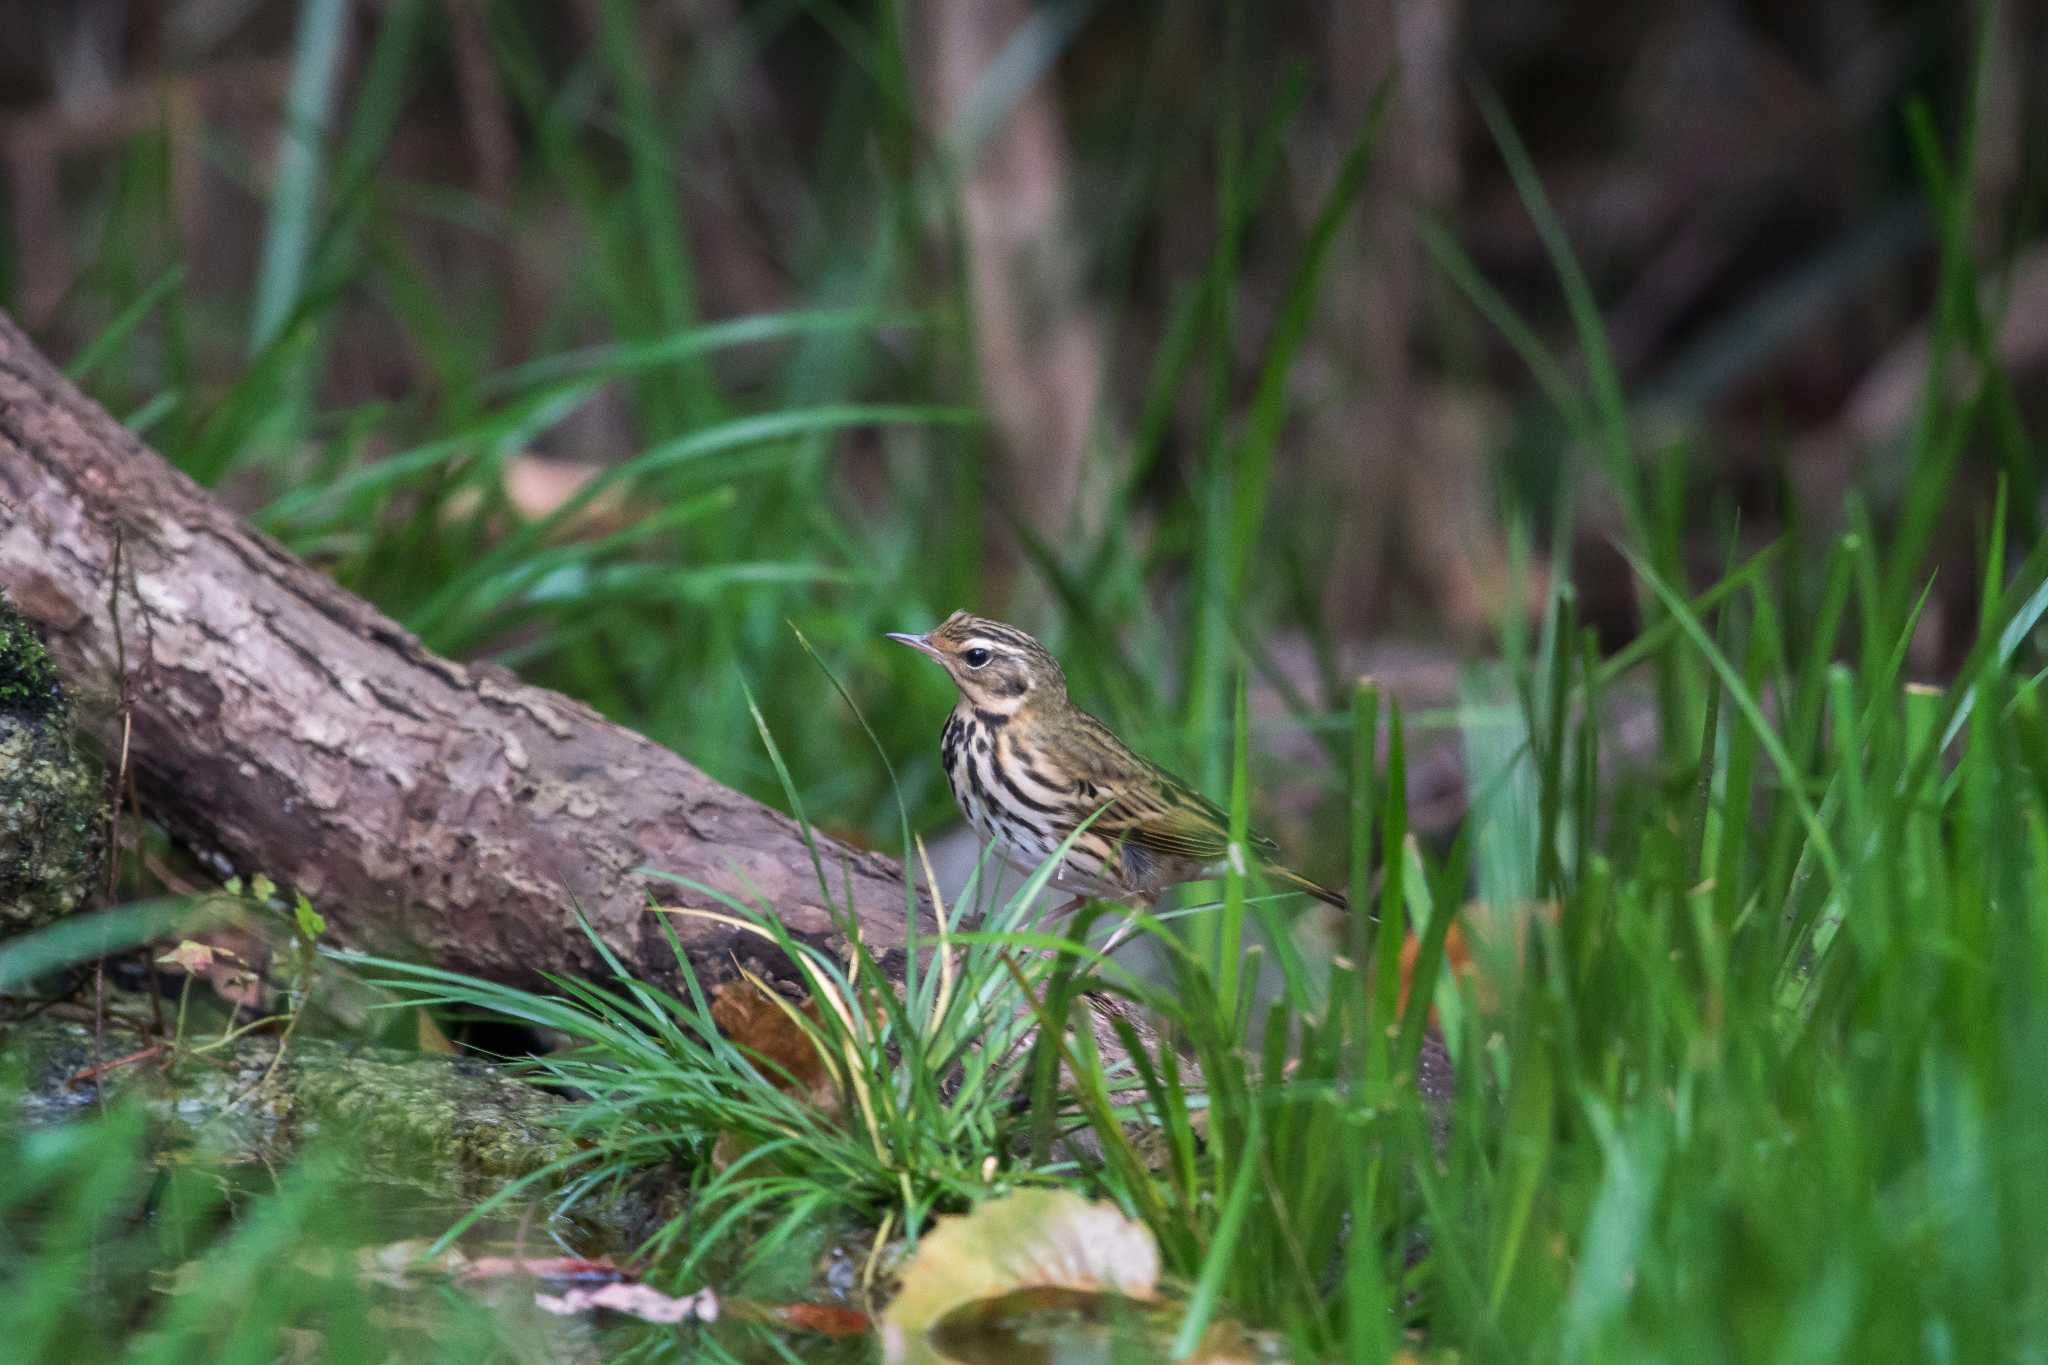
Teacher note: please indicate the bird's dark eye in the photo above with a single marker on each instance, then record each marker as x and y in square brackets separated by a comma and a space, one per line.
[975, 657]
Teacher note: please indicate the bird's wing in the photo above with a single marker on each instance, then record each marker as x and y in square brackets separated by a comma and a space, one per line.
[1148, 807]
[1172, 821]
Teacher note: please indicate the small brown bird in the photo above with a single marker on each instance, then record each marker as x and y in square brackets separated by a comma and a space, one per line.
[1028, 767]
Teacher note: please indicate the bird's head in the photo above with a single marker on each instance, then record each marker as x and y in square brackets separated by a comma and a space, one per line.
[996, 667]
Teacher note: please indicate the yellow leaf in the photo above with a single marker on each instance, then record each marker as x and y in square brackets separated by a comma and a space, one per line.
[430, 1035]
[1033, 1239]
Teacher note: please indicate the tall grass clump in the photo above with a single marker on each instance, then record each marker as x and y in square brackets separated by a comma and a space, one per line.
[1742, 1042]
[899, 1102]
[1741, 1069]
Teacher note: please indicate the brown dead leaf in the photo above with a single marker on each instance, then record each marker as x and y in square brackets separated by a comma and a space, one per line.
[537, 486]
[760, 1025]
[1460, 960]
[819, 1319]
[403, 1264]
[850, 834]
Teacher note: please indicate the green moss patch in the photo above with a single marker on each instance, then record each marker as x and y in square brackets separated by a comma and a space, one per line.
[52, 826]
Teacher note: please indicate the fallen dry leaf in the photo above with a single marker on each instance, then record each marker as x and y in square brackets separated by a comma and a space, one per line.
[819, 1319]
[1460, 961]
[565, 1268]
[402, 1264]
[188, 956]
[430, 1036]
[759, 1024]
[1050, 1323]
[636, 1300]
[537, 486]
[1032, 1239]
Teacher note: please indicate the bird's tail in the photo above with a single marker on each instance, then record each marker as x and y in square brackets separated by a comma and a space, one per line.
[1287, 877]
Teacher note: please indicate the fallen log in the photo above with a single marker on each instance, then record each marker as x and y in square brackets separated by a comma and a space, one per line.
[278, 724]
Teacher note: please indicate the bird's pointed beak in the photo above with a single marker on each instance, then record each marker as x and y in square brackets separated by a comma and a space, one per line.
[921, 643]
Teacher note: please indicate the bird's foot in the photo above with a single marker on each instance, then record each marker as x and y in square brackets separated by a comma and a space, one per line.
[1127, 929]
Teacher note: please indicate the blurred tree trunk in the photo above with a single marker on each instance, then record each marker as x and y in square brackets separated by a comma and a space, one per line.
[1038, 345]
[1410, 473]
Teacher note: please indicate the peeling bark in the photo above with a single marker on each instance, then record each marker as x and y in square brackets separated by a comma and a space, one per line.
[282, 725]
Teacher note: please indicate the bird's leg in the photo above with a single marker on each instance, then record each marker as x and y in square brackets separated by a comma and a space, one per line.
[1061, 912]
[1047, 919]
[1139, 906]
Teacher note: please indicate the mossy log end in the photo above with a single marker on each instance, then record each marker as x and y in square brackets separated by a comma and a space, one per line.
[281, 725]
[52, 798]
[455, 1124]
[443, 1129]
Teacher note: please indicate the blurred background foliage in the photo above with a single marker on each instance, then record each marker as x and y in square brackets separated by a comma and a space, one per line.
[606, 340]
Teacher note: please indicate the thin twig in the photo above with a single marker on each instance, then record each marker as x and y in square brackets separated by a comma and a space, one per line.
[127, 715]
[166, 877]
[265, 1022]
[99, 1016]
[276, 1058]
[99, 967]
[94, 1072]
[305, 993]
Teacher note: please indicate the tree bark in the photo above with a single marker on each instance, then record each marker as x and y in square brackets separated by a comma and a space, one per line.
[278, 724]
